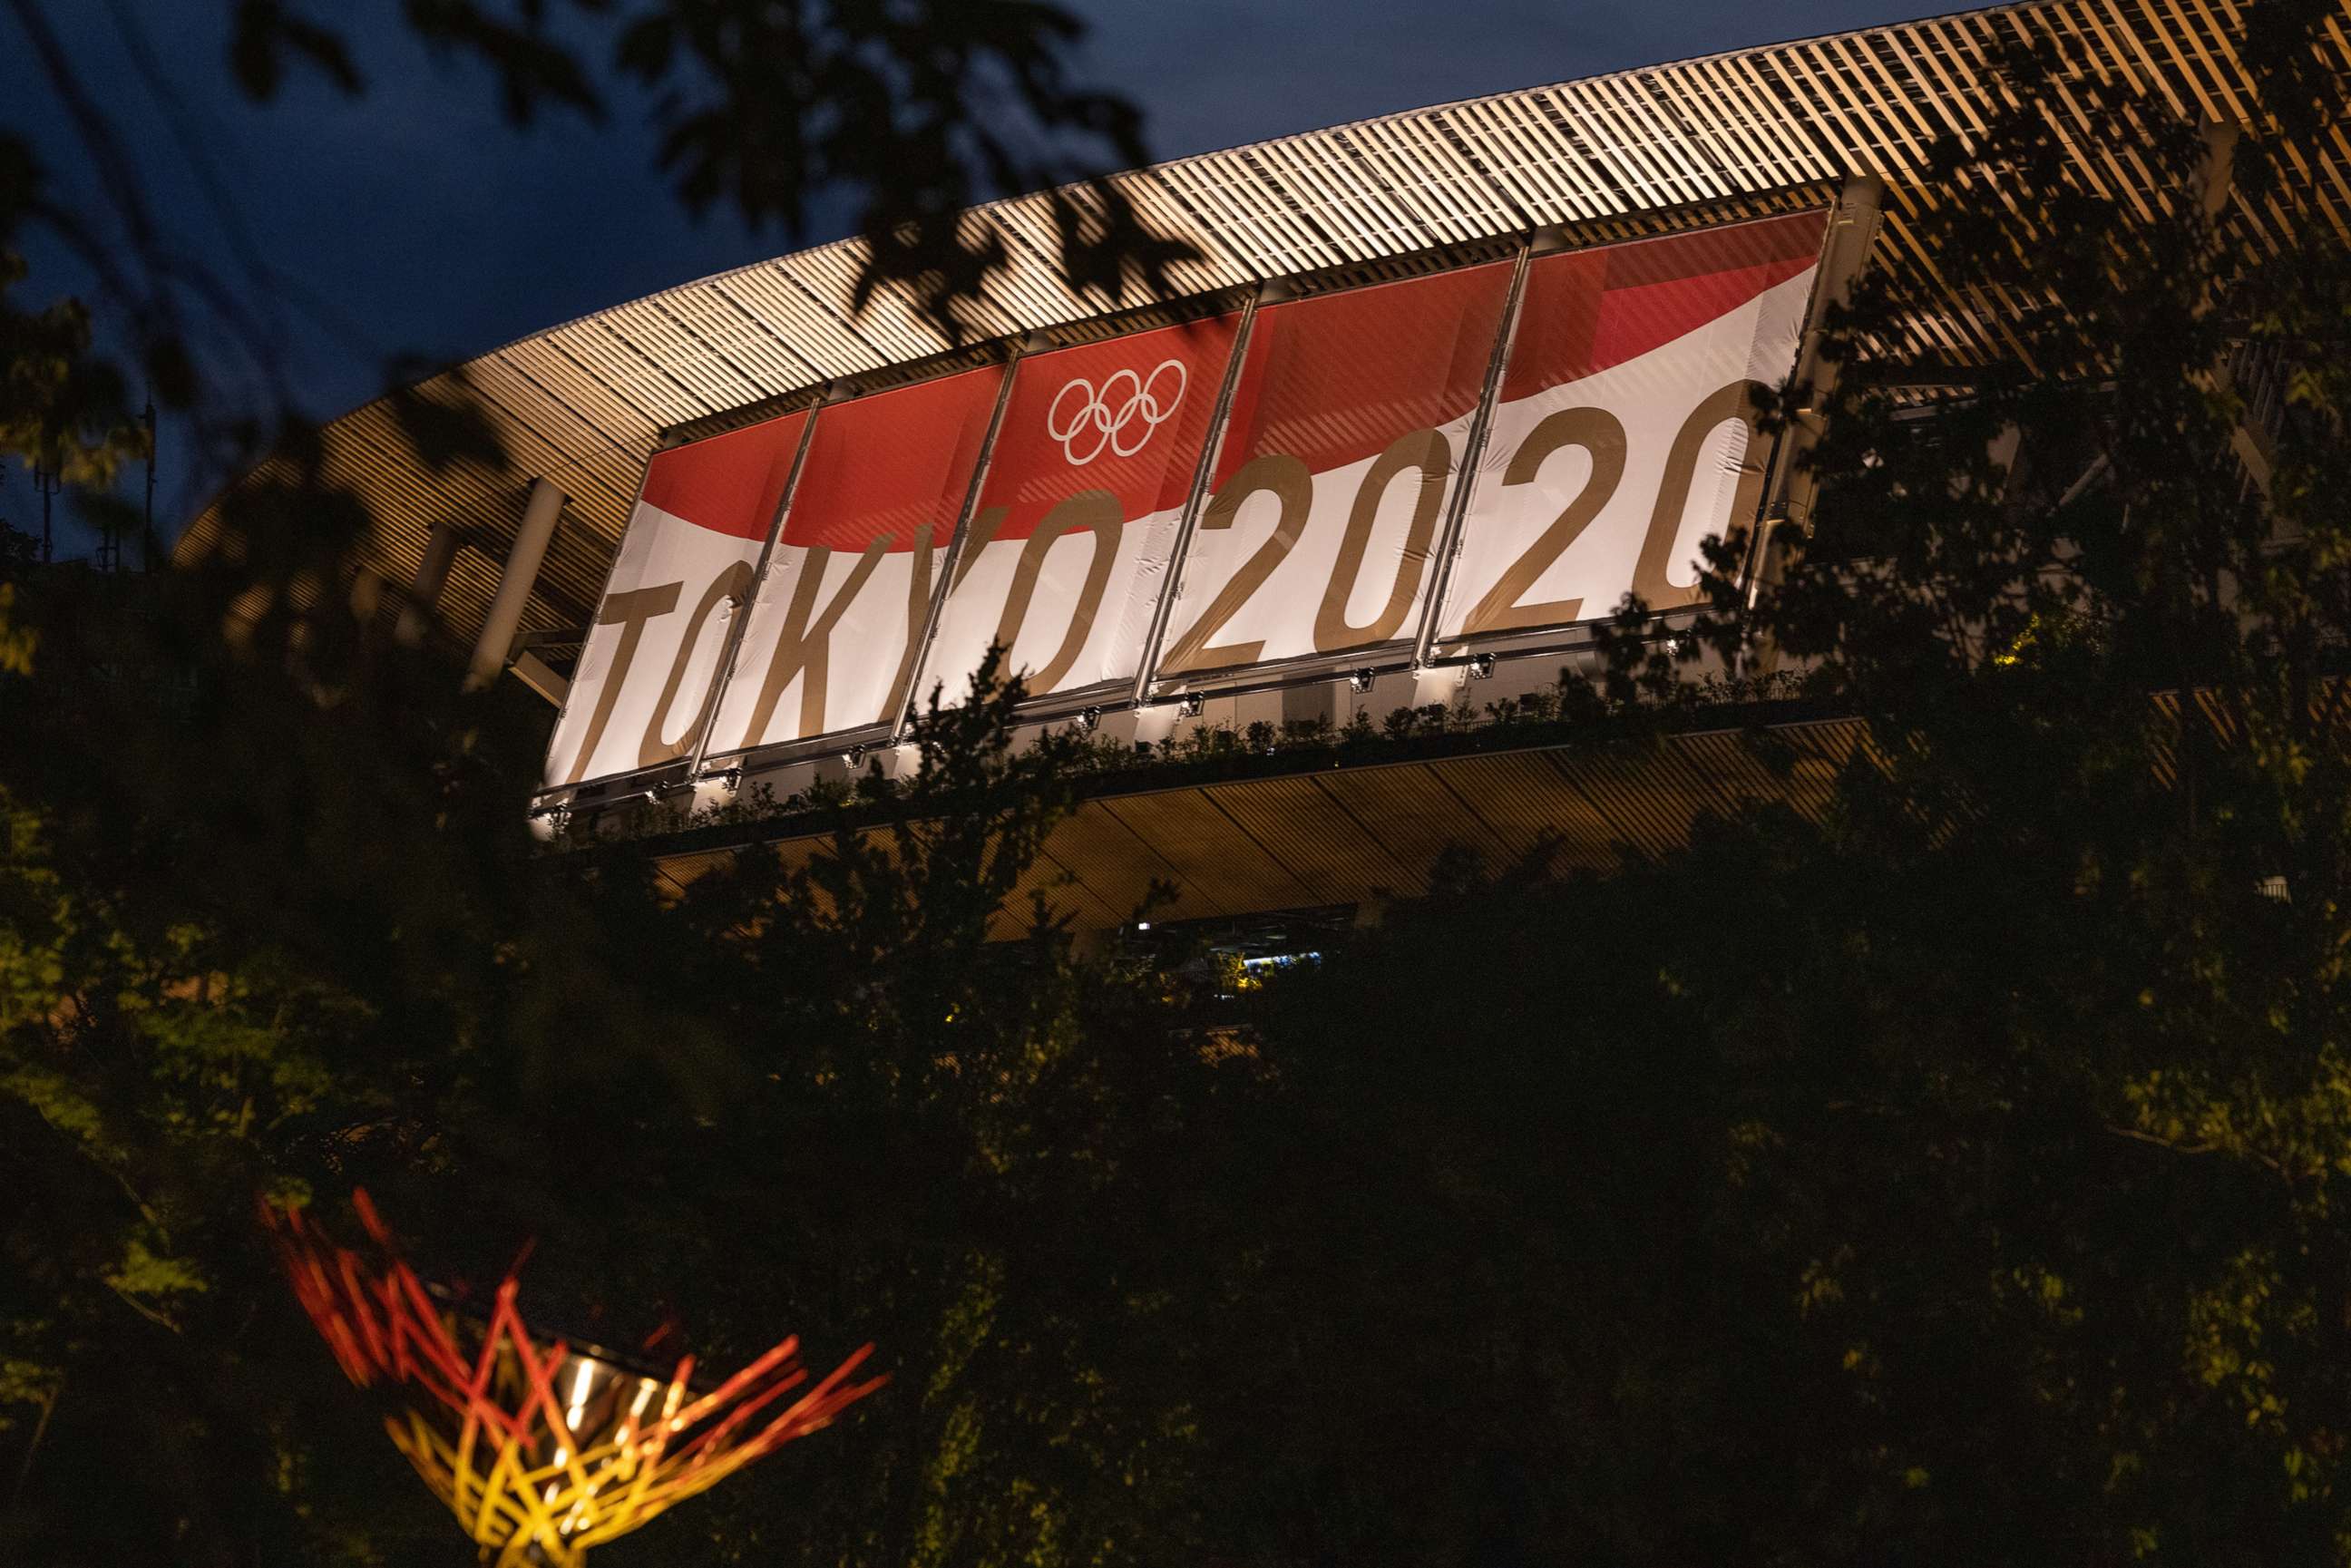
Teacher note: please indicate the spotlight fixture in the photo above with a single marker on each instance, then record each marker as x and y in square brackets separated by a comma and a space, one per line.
[1360, 681]
[1481, 666]
[1089, 720]
[1191, 704]
[731, 779]
[854, 756]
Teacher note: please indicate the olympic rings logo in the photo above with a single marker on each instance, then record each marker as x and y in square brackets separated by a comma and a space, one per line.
[1118, 417]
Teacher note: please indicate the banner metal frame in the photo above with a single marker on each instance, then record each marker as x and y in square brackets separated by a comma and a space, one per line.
[1847, 240]
[1111, 692]
[1571, 636]
[1456, 511]
[1212, 448]
[881, 730]
[556, 796]
[919, 657]
[724, 675]
[1302, 669]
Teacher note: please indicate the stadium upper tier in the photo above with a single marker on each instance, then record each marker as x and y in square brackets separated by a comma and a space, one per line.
[1654, 151]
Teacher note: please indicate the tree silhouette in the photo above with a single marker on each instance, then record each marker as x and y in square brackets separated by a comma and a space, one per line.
[1941, 1174]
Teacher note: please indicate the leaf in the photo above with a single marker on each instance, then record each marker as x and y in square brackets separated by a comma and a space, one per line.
[446, 425]
[531, 68]
[147, 1275]
[263, 34]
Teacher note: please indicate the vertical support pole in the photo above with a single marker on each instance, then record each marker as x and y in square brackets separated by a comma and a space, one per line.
[1844, 251]
[432, 575]
[44, 480]
[2247, 441]
[1853, 227]
[1473, 452]
[735, 633]
[1212, 446]
[2220, 166]
[147, 538]
[2006, 450]
[542, 678]
[538, 520]
[904, 718]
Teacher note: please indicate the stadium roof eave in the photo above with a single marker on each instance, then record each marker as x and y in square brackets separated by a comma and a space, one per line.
[1641, 150]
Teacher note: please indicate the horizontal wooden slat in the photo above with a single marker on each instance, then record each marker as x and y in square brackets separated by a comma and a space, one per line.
[1616, 156]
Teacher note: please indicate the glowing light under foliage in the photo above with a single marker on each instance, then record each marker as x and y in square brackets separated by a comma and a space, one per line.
[540, 1450]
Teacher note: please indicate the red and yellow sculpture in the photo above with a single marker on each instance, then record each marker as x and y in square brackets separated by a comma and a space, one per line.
[540, 1450]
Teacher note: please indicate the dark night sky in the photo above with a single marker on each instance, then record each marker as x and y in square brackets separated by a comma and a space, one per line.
[438, 231]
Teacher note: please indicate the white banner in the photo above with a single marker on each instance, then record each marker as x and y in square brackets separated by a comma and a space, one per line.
[834, 631]
[1067, 552]
[645, 680]
[1622, 434]
[1348, 426]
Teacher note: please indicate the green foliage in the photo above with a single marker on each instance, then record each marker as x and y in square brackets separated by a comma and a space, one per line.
[1570, 712]
[16, 645]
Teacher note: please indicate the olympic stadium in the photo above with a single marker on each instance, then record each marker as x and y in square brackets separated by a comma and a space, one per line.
[1437, 390]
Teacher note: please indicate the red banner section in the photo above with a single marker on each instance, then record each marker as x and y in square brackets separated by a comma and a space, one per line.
[648, 674]
[1623, 434]
[1069, 545]
[833, 634]
[1347, 430]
